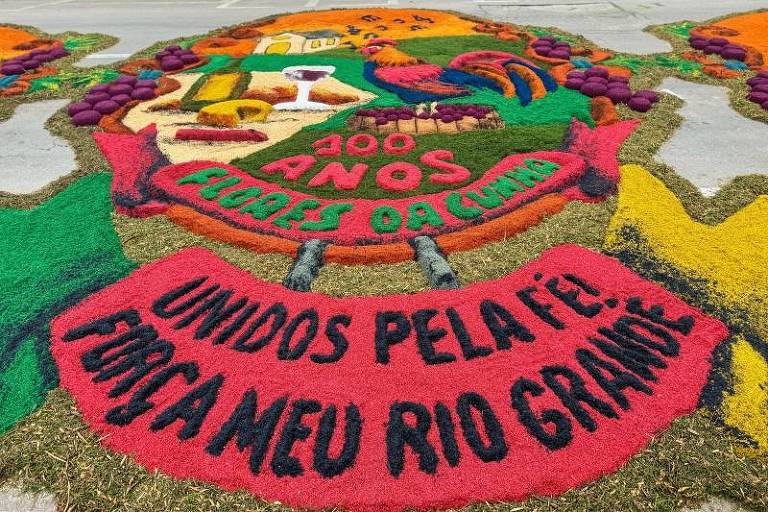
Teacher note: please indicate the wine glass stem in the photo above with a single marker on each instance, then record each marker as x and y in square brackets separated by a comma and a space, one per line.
[302, 95]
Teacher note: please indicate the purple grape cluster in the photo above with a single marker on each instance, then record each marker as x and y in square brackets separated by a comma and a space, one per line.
[550, 47]
[446, 113]
[597, 81]
[759, 89]
[174, 57]
[32, 60]
[718, 46]
[385, 115]
[643, 100]
[104, 99]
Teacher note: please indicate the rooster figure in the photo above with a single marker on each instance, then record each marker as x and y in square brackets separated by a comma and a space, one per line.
[416, 81]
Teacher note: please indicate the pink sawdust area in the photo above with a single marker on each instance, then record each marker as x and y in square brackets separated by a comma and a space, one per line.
[351, 354]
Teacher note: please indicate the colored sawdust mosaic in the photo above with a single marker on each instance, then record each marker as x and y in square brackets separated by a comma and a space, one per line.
[337, 371]
[729, 257]
[31, 62]
[357, 26]
[361, 156]
[12, 41]
[749, 30]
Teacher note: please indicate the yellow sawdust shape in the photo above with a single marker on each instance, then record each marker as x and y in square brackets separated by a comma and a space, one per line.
[230, 113]
[745, 406]
[731, 257]
[217, 87]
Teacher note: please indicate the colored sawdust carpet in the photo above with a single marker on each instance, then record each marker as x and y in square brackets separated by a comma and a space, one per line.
[384, 259]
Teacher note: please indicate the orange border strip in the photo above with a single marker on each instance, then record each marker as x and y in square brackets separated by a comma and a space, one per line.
[494, 230]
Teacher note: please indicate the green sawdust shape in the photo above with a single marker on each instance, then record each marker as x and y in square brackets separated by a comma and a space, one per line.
[84, 42]
[477, 150]
[637, 64]
[53, 257]
[440, 50]
[682, 30]
[543, 32]
[79, 79]
[21, 385]
[348, 71]
[556, 107]
[215, 63]
[559, 106]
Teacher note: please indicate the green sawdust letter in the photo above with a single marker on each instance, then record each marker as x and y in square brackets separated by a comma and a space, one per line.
[296, 213]
[392, 223]
[268, 205]
[330, 218]
[420, 213]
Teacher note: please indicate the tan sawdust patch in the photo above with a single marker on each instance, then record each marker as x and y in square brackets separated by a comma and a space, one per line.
[280, 124]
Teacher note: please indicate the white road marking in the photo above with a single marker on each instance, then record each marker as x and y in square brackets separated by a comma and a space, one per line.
[108, 56]
[511, 3]
[667, 91]
[388, 3]
[121, 3]
[232, 5]
[30, 7]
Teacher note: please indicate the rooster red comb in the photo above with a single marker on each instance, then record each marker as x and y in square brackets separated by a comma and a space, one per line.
[381, 41]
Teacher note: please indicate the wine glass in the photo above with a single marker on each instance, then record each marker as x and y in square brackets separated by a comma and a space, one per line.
[304, 77]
